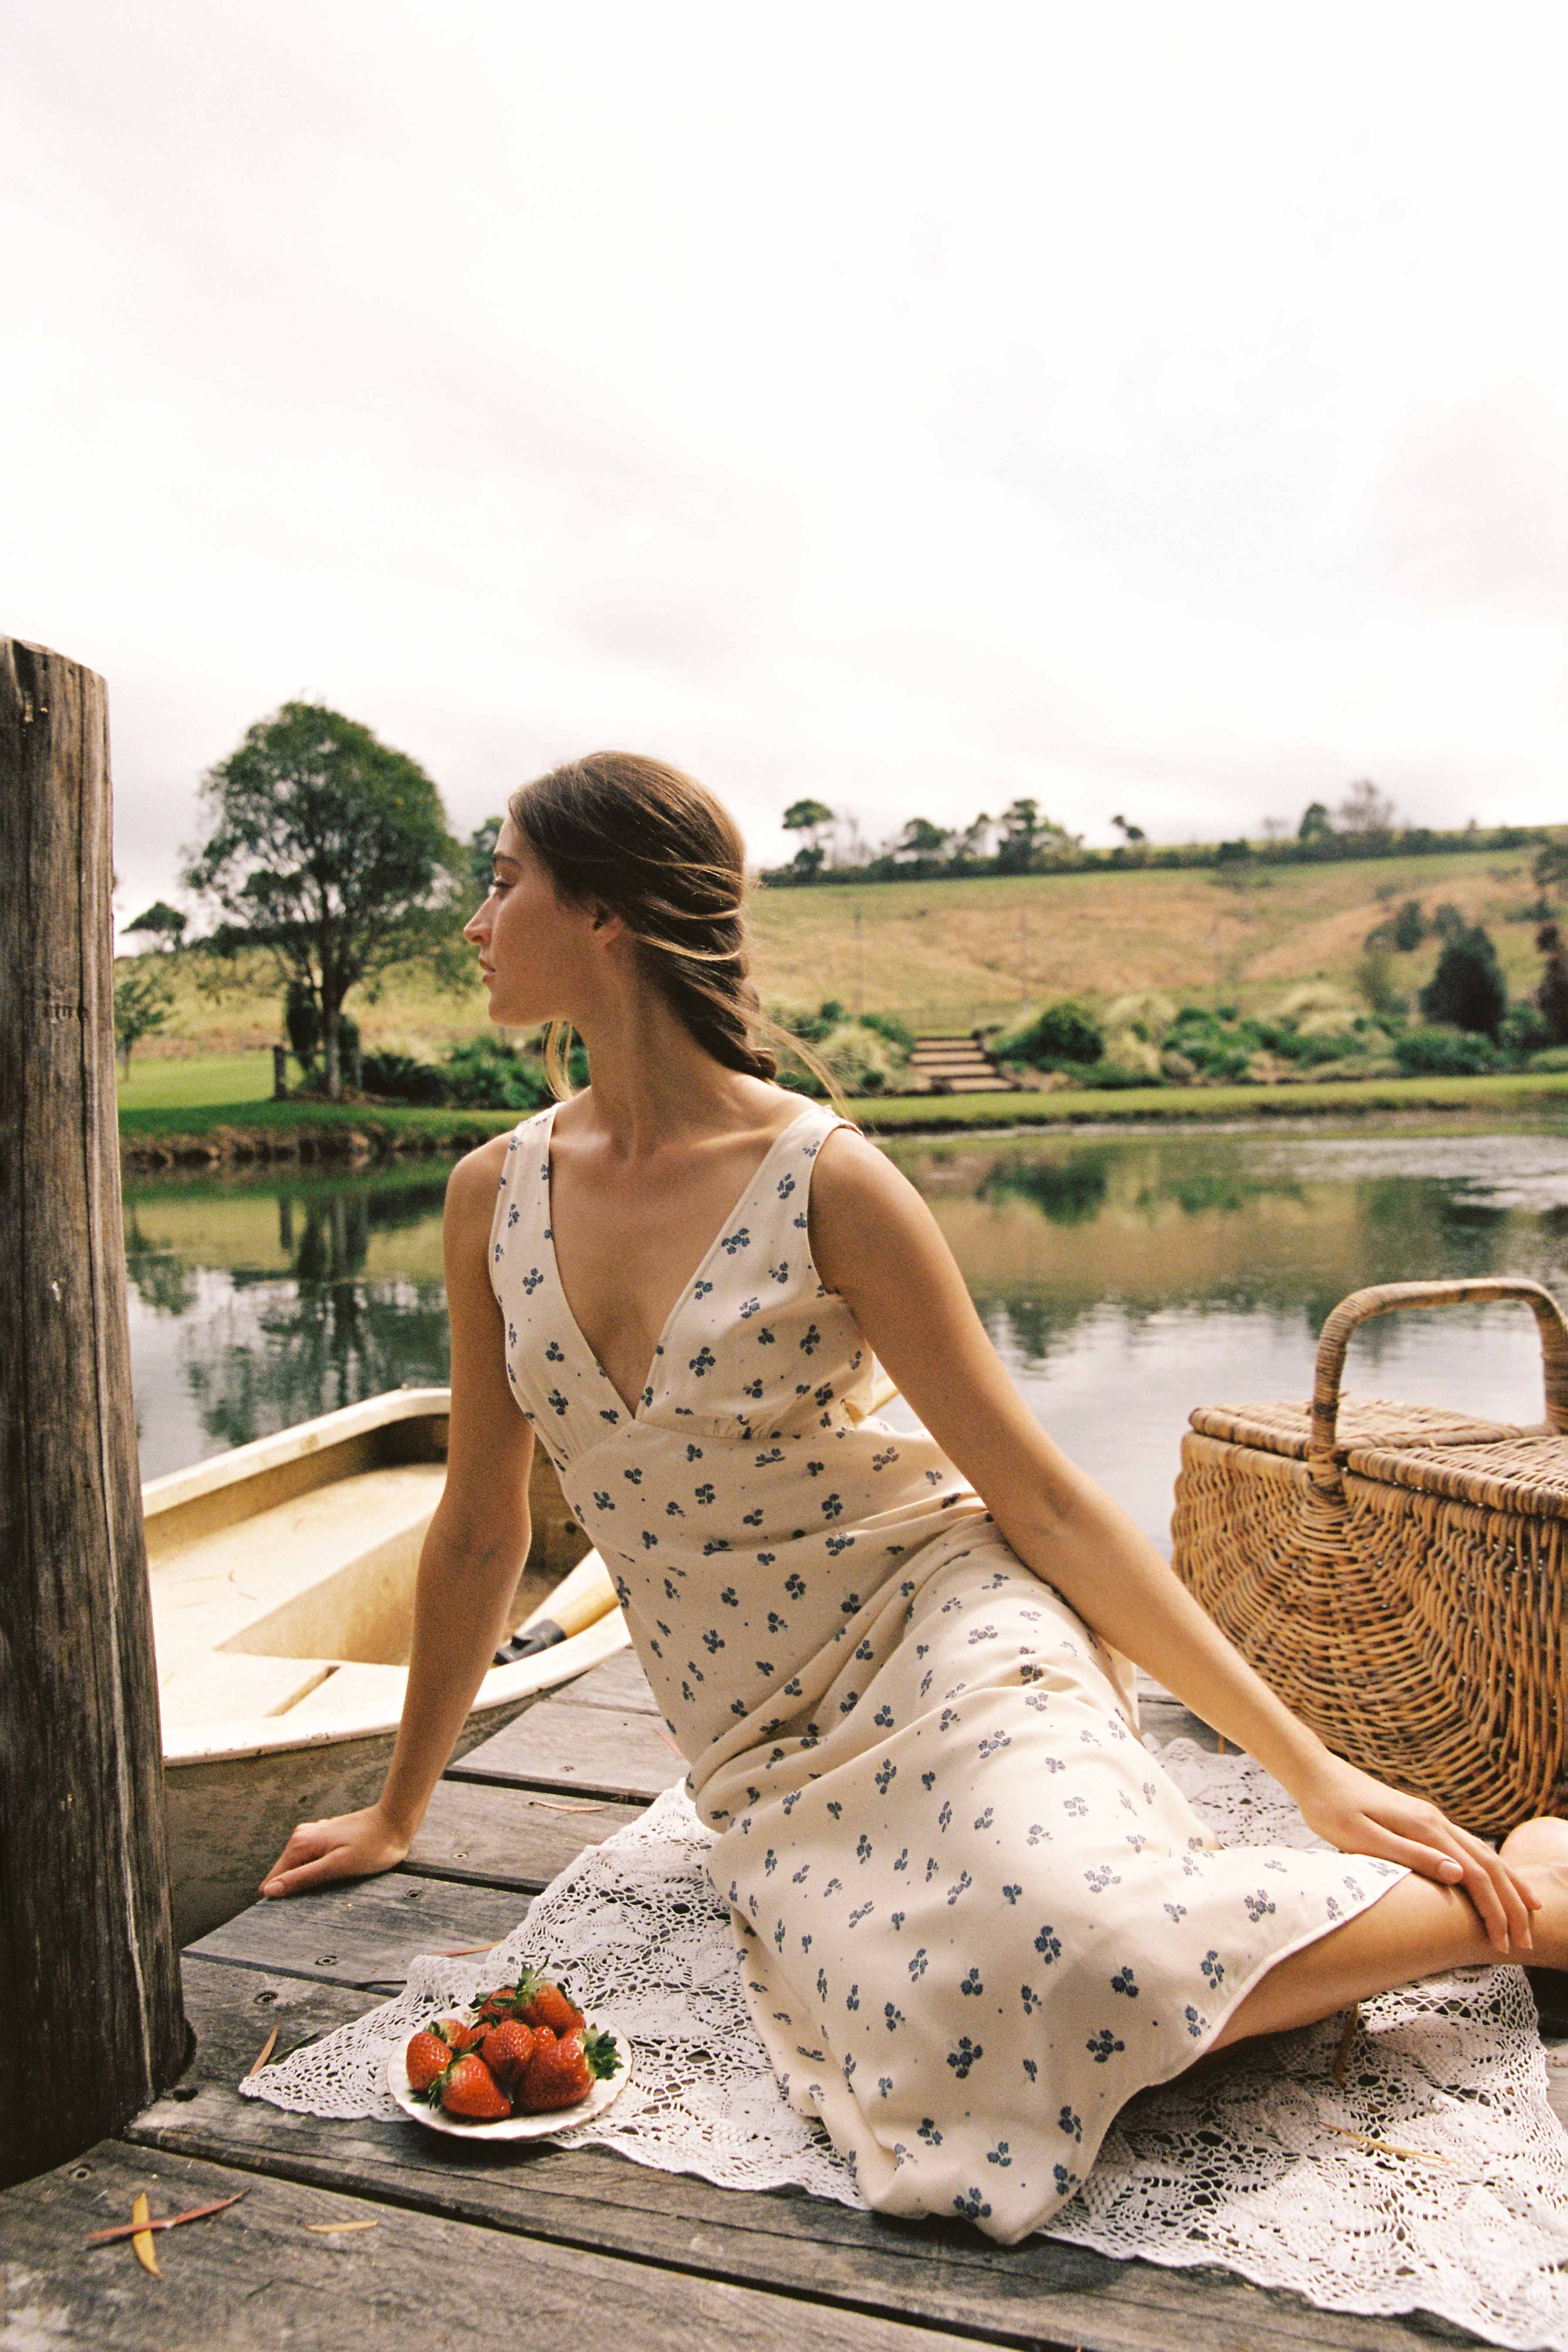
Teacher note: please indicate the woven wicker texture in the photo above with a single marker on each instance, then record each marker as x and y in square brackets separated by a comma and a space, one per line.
[1397, 1574]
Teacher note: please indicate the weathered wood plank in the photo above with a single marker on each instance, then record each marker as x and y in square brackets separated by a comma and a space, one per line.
[598, 1750]
[1044, 2293]
[619, 1683]
[365, 1934]
[84, 1877]
[1167, 1718]
[267, 2273]
[501, 1836]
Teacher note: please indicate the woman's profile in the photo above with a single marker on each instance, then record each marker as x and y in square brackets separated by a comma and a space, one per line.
[975, 1915]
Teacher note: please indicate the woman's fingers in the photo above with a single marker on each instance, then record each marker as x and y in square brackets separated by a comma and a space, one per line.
[1454, 1858]
[311, 1873]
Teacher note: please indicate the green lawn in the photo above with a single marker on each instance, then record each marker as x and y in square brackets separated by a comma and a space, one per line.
[197, 1082]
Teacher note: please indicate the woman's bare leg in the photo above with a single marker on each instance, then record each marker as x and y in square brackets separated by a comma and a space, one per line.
[1417, 1929]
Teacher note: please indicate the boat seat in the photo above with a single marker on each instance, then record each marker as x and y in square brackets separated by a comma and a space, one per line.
[220, 1688]
[327, 1574]
[348, 1697]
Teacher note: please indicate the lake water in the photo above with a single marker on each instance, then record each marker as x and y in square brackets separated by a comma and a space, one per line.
[1124, 1277]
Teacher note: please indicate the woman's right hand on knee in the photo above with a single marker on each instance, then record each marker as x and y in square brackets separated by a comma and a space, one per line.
[350, 1846]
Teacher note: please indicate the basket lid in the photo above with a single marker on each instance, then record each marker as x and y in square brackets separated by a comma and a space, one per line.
[1527, 1474]
[1285, 1427]
[1494, 1464]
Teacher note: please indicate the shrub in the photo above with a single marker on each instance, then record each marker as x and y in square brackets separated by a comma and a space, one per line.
[486, 1074]
[888, 1025]
[1442, 1050]
[860, 1058]
[398, 1078]
[1114, 1077]
[1524, 1029]
[1063, 1033]
[1467, 990]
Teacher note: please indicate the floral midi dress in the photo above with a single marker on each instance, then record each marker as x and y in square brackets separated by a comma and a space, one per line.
[974, 1915]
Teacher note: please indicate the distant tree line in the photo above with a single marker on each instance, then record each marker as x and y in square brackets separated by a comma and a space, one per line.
[1024, 840]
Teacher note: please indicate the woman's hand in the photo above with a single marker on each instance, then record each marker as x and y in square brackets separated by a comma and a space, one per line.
[350, 1846]
[1361, 1815]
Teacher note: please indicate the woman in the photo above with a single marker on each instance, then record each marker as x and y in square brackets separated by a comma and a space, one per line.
[975, 1915]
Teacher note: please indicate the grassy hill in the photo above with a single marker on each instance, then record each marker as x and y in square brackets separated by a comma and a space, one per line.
[950, 954]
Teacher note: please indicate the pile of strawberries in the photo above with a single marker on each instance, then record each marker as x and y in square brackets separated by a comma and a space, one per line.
[526, 2050]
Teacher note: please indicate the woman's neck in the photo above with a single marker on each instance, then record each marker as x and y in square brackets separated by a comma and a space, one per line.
[652, 1083]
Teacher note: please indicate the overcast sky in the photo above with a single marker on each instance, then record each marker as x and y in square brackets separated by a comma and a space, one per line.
[1155, 410]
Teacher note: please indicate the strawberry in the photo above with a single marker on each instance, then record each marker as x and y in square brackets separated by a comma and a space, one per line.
[471, 2090]
[506, 2051]
[565, 2068]
[458, 2033]
[506, 2001]
[550, 2005]
[426, 2058]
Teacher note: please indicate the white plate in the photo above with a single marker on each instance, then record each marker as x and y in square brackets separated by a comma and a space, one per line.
[509, 2127]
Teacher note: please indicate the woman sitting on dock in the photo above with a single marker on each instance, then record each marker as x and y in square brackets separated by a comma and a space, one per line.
[976, 1914]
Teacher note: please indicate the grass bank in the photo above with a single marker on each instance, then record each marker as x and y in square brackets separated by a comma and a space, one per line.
[237, 1133]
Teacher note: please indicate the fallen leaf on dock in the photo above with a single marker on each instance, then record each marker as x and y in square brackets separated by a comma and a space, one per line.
[337, 2229]
[141, 2237]
[263, 2053]
[1387, 2147]
[142, 2223]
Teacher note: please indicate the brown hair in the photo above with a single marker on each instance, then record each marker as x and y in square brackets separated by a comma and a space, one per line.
[658, 850]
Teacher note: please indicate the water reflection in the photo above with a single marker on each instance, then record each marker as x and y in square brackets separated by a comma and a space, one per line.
[1124, 1278]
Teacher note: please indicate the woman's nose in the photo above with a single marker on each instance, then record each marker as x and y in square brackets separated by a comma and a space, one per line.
[474, 928]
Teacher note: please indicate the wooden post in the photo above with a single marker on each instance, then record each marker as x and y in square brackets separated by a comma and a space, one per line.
[88, 1977]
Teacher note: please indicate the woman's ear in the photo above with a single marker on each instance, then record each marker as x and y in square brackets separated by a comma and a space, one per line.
[605, 926]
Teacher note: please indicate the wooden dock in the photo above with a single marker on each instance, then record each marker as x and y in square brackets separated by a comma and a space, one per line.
[370, 2237]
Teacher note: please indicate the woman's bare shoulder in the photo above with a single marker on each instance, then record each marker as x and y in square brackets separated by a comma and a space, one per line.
[472, 1185]
[861, 1207]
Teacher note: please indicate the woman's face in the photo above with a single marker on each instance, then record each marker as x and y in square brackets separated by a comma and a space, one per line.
[534, 947]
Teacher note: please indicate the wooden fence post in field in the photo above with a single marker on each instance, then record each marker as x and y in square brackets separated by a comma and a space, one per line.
[89, 1978]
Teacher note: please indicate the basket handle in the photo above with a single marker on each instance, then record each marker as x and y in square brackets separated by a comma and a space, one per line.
[1381, 1300]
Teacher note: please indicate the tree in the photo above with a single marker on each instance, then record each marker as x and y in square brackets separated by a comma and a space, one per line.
[1029, 838]
[165, 923]
[143, 1001]
[1131, 834]
[920, 838]
[1552, 996]
[481, 849]
[1365, 812]
[1550, 868]
[1314, 824]
[974, 840]
[1409, 927]
[330, 849]
[1467, 990]
[810, 817]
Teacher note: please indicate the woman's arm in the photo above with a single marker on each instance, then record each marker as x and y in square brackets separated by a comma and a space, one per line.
[877, 1245]
[473, 1554]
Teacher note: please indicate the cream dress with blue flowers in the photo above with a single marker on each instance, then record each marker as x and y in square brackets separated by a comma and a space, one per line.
[974, 1915]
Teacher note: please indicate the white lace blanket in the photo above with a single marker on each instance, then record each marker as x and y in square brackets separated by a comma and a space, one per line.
[1435, 2179]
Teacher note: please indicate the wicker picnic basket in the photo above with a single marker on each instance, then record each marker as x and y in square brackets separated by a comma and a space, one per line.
[1397, 1574]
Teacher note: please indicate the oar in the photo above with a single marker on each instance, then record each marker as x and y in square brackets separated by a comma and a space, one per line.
[580, 1600]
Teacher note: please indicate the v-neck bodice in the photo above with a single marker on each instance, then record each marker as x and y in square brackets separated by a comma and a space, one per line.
[746, 1508]
[725, 1238]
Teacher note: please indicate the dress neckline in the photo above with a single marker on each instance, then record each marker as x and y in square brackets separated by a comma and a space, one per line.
[688, 1288]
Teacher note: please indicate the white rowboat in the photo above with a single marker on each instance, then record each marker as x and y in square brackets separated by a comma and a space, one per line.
[283, 1578]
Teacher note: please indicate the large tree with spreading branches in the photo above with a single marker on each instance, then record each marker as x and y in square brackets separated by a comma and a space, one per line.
[329, 849]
